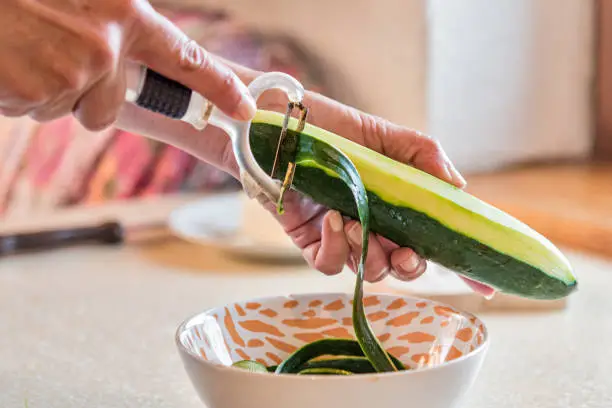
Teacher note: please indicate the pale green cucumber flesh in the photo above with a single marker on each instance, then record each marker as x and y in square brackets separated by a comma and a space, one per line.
[356, 365]
[252, 366]
[441, 223]
[324, 371]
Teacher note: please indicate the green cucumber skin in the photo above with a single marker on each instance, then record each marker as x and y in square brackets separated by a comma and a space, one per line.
[407, 227]
[356, 365]
[332, 346]
[316, 349]
[324, 371]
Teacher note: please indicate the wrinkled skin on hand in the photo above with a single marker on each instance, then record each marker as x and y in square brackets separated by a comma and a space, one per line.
[64, 56]
[328, 241]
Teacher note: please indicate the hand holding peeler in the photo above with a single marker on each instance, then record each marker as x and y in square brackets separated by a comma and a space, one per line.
[154, 92]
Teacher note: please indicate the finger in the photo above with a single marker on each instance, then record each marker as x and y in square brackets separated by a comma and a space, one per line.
[166, 49]
[98, 108]
[478, 287]
[330, 254]
[55, 109]
[406, 265]
[377, 265]
[409, 146]
[15, 112]
[302, 219]
[432, 158]
[386, 244]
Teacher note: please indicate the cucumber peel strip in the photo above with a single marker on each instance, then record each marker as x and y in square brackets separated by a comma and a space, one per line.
[355, 365]
[324, 371]
[367, 344]
[303, 357]
[340, 164]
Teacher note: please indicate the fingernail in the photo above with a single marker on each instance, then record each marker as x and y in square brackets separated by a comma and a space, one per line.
[410, 265]
[247, 108]
[335, 221]
[354, 235]
[455, 176]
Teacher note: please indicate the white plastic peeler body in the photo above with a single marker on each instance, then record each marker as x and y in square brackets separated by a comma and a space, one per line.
[151, 91]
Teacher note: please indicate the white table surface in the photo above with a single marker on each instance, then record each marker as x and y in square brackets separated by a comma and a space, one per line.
[93, 327]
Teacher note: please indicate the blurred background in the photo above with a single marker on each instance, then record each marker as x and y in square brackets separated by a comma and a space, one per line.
[513, 89]
[519, 93]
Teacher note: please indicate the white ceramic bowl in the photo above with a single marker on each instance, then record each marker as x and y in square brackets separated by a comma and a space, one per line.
[443, 347]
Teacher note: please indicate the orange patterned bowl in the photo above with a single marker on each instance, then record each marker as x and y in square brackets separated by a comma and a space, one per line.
[443, 347]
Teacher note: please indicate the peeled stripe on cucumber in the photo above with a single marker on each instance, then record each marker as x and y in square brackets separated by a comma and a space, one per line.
[414, 209]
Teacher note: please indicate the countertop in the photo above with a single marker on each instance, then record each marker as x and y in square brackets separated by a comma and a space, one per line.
[577, 215]
[94, 326]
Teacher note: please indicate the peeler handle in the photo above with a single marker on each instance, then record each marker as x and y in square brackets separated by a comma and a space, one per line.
[163, 95]
[157, 93]
[154, 92]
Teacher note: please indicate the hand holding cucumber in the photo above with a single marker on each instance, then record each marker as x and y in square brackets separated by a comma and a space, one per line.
[328, 241]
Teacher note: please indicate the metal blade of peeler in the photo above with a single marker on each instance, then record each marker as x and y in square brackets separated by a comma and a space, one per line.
[149, 90]
[288, 146]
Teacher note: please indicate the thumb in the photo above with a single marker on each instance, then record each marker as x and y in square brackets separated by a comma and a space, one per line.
[159, 44]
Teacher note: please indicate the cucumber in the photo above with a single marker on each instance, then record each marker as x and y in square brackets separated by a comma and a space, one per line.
[252, 366]
[324, 371]
[356, 365]
[300, 358]
[440, 222]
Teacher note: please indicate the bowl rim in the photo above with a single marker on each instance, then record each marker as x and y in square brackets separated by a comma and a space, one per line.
[198, 358]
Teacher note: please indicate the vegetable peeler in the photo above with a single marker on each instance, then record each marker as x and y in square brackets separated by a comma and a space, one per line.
[154, 92]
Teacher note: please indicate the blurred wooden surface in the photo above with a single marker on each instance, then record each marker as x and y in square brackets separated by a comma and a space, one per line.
[603, 85]
[569, 204]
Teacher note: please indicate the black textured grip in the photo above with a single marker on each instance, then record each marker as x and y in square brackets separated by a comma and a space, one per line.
[162, 95]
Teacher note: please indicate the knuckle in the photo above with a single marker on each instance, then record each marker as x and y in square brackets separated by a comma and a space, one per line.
[229, 89]
[128, 12]
[374, 130]
[228, 157]
[73, 79]
[193, 56]
[102, 55]
[326, 268]
[128, 9]
[228, 82]
[429, 147]
[14, 112]
[98, 125]
[33, 95]
[95, 123]
[45, 115]
[435, 146]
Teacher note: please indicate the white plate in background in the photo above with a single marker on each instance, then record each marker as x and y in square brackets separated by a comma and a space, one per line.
[217, 221]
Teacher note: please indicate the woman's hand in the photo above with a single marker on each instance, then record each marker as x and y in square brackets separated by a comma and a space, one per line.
[63, 56]
[328, 241]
